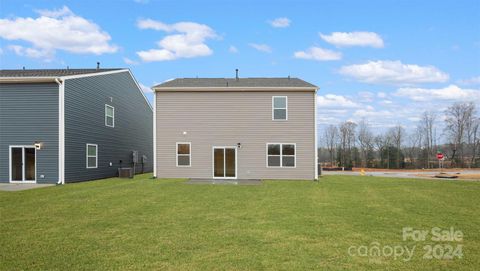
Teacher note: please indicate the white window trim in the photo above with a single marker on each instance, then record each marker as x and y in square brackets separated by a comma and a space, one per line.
[113, 116]
[189, 155]
[281, 155]
[286, 108]
[87, 156]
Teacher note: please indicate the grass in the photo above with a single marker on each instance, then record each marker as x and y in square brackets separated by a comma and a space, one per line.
[145, 224]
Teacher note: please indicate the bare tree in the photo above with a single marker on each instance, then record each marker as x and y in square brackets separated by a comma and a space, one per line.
[383, 142]
[426, 128]
[397, 135]
[475, 140]
[457, 119]
[347, 142]
[472, 133]
[414, 145]
[331, 140]
[365, 140]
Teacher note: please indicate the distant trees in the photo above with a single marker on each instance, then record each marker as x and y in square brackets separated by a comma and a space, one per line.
[397, 134]
[460, 126]
[351, 144]
[366, 141]
[330, 138]
[347, 143]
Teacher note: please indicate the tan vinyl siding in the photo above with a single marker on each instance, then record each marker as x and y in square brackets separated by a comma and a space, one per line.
[227, 118]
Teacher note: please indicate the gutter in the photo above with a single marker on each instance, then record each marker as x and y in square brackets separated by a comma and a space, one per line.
[28, 79]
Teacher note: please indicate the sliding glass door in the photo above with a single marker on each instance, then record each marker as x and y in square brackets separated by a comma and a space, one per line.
[22, 164]
[225, 162]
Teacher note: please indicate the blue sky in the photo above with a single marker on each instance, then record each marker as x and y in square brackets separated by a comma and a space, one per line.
[386, 61]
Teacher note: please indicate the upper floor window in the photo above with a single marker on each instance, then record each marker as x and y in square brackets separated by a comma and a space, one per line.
[92, 155]
[183, 154]
[279, 108]
[109, 116]
[281, 155]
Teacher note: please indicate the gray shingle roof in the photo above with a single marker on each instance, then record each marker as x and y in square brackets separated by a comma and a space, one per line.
[50, 72]
[233, 82]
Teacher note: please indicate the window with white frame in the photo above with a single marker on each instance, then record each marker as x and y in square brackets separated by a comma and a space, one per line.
[279, 108]
[281, 155]
[184, 154]
[109, 116]
[92, 155]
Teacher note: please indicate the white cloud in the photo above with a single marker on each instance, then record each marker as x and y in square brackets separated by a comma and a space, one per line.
[145, 89]
[335, 101]
[449, 93]
[366, 96]
[372, 113]
[261, 47]
[345, 39]
[189, 41]
[129, 61]
[394, 72]
[30, 52]
[319, 54]
[280, 22]
[382, 95]
[470, 81]
[56, 30]
[56, 13]
[233, 49]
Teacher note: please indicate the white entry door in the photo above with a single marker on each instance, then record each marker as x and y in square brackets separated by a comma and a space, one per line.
[225, 162]
[23, 163]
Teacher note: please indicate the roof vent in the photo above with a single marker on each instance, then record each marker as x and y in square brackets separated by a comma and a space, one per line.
[236, 74]
[98, 66]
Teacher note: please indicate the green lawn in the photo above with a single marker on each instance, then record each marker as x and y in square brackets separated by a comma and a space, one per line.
[281, 225]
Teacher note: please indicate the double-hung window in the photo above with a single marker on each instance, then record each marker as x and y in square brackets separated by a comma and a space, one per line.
[279, 108]
[184, 154]
[92, 155]
[109, 116]
[281, 154]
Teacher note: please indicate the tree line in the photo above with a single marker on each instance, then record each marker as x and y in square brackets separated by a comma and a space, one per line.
[351, 144]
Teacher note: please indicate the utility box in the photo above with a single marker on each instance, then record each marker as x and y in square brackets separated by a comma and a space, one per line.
[125, 172]
[135, 157]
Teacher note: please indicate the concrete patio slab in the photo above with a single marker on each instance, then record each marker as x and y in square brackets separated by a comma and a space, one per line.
[21, 186]
[225, 181]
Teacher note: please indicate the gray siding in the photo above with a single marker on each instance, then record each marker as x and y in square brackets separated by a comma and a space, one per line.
[227, 118]
[29, 113]
[85, 100]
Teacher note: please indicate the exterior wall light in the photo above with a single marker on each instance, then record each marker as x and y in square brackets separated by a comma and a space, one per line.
[38, 145]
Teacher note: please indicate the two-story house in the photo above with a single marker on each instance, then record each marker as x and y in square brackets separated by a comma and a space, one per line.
[235, 128]
[71, 125]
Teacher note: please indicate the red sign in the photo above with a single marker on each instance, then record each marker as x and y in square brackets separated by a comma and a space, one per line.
[439, 156]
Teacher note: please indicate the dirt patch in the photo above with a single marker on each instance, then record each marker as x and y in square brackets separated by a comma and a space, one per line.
[458, 176]
[469, 176]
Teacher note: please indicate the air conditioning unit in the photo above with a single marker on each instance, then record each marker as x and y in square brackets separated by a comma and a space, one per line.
[125, 172]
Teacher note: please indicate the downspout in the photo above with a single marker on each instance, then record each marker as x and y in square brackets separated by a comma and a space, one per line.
[61, 131]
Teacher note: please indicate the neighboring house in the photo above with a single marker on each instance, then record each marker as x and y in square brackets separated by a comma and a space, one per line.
[235, 128]
[71, 125]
